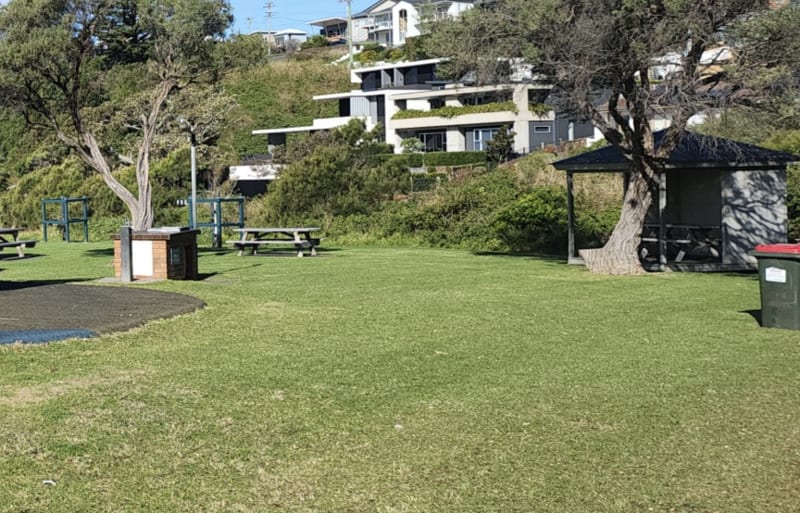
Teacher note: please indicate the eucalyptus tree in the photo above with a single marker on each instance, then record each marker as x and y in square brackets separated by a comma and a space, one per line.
[100, 74]
[598, 55]
[769, 64]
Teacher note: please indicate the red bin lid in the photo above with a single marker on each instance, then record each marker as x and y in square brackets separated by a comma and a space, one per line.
[779, 248]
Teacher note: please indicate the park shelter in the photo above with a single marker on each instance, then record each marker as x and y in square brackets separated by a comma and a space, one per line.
[716, 200]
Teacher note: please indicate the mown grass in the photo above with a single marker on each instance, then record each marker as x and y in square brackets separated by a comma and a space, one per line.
[407, 380]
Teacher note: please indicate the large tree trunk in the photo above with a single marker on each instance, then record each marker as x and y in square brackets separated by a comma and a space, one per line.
[620, 255]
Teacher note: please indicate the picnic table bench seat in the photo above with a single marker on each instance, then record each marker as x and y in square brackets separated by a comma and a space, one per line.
[254, 244]
[19, 244]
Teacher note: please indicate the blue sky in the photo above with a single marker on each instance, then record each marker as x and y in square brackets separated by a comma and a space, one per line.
[251, 15]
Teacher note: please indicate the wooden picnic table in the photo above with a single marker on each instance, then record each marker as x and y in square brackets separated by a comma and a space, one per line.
[298, 237]
[9, 239]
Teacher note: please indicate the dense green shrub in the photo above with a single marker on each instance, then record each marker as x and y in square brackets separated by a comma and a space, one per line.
[454, 158]
[426, 181]
[315, 41]
[536, 222]
[21, 205]
[437, 158]
[500, 148]
[346, 175]
[415, 159]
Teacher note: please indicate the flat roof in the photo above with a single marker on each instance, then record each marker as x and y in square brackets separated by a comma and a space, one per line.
[290, 130]
[399, 64]
[327, 21]
[357, 93]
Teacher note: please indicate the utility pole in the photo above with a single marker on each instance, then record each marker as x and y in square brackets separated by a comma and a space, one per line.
[349, 33]
[269, 6]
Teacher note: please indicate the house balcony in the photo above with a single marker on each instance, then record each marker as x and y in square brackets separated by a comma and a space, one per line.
[380, 27]
[507, 117]
[278, 135]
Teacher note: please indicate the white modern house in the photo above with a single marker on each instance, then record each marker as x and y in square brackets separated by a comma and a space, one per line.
[389, 22]
[409, 101]
[289, 37]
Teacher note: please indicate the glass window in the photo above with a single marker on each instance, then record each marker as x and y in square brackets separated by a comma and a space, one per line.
[541, 129]
[481, 136]
[433, 141]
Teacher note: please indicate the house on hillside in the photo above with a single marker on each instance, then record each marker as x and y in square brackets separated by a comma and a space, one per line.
[289, 39]
[333, 29]
[389, 22]
[409, 101]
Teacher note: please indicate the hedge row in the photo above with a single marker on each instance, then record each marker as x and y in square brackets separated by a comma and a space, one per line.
[439, 158]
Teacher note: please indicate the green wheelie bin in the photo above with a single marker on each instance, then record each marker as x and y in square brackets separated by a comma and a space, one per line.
[779, 282]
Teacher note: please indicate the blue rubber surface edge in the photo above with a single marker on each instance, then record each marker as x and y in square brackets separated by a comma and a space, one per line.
[42, 336]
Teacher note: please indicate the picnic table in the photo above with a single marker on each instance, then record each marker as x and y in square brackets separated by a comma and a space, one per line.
[9, 239]
[297, 237]
[687, 240]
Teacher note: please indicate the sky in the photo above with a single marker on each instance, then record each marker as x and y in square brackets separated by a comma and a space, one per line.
[251, 15]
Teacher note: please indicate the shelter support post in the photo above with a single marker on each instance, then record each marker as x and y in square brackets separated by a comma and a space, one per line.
[662, 228]
[626, 182]
[570, 219]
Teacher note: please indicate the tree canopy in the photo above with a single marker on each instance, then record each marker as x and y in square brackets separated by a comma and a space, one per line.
[62, 61]
[598, 54]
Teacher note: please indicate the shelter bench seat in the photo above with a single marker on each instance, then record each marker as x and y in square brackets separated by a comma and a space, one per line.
[19, 244]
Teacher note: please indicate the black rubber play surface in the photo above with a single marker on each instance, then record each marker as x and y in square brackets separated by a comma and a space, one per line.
[41, 312]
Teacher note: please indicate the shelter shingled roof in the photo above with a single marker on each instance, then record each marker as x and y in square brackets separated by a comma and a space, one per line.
[693, 151]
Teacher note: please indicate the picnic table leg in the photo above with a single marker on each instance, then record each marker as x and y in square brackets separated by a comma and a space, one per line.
[242, 246]
[312, 250]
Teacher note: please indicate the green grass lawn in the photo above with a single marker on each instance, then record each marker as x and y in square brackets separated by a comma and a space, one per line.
[407, 380]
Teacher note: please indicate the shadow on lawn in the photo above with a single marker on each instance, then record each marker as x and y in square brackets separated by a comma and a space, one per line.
[555, 259]
[755, 314]
[97, 252]
[6, 286]
[15, 256]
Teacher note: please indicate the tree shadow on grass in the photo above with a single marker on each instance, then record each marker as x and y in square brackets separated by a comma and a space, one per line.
[214, 251]
[98, 252]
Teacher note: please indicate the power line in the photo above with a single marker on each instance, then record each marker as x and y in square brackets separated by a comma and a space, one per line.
[349, 33]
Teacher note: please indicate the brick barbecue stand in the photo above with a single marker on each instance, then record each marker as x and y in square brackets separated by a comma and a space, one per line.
[173, 255]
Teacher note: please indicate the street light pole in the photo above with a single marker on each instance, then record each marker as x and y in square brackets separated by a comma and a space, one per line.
[193, 142]
[349, 33]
